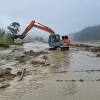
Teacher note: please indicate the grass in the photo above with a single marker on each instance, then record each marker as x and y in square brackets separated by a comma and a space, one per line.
[6, 40]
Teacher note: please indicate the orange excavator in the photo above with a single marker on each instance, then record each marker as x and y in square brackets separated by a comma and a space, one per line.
[54, 40]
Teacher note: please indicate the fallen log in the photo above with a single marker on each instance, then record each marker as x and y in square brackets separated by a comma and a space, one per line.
[22, 74]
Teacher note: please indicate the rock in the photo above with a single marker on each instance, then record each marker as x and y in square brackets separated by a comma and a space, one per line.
[8, 70]
[98, 54]
[6, 74]
[95, 49]
[37, 62]
[45, 57]
[33, 53]
[81, 80]
[21, 59]
[2, 79]
[5, 71]
[4, 85]
[98, 80]
[46, 64]
[19, 73]
[44, 52]
[73, 80]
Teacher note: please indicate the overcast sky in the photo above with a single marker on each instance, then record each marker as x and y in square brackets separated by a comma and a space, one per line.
[63, 16]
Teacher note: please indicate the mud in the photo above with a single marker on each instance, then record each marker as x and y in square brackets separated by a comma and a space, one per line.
[50, 75]
[91, 48]
[6, 74]
[14, 59]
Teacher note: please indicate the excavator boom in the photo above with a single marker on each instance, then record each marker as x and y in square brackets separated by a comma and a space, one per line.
[45, 28]
[27, 29]
[37, 25]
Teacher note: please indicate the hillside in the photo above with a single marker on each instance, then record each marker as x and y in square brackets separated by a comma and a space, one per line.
[87, 34]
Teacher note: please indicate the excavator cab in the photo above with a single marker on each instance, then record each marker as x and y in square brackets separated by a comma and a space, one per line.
[54, 41]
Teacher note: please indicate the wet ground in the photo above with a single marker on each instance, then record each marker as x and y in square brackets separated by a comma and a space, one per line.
[70, 75]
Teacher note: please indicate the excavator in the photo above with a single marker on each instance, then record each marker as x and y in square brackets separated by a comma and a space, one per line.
[54, 40]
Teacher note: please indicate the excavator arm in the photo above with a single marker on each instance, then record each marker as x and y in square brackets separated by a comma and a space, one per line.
[54, 39]
[27, 29]
[36, 25]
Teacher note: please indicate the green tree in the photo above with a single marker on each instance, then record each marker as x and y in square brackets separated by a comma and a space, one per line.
[14, 28]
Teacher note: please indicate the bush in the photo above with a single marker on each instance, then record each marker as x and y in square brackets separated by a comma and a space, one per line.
[5, 38]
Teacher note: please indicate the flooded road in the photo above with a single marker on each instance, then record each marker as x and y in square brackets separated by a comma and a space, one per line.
[71, 75]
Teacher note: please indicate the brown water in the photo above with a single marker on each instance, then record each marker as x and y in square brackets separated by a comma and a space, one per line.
[73, 75]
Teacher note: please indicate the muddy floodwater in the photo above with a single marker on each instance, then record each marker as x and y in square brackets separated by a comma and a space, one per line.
[71, 75]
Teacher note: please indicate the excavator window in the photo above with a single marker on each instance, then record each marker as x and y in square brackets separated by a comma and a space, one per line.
[54, 38]
[64, 37]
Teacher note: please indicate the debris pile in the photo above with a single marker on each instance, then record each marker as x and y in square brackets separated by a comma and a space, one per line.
[33, 53]
[5, 76]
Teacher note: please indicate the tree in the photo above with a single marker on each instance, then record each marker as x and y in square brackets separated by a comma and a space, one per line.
[14, 28]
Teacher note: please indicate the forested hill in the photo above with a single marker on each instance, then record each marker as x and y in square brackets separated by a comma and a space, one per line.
[87, 34]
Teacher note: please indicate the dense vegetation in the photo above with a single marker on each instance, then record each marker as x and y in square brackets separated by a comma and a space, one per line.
[5, 38]
[87, 34]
